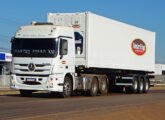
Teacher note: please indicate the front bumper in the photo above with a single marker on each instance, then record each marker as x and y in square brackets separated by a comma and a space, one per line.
[40, 83]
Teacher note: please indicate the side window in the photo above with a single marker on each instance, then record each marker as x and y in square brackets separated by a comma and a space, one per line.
[78, 43]
[63, 47]
[163, 72]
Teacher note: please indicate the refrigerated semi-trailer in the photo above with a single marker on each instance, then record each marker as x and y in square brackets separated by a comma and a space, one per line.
[82, 52]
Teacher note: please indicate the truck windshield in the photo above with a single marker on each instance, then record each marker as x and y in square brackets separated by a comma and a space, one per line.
[34, 47]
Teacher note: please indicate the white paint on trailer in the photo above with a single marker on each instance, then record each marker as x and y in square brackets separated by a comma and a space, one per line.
[107, 42]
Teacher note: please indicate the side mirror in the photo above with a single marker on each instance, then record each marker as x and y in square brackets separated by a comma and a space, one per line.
[12, 44]
[63, 47]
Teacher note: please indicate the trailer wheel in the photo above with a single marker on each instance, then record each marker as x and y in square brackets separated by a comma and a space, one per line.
[146, 85]
[67, 87]
[140, 85]
[25, 93]
[103, 86]
[134, 85]
[94, 87]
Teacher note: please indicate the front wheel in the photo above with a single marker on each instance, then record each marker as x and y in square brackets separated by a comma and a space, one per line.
[67, 88]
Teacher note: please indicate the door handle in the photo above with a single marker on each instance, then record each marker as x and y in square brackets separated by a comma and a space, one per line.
[66, 67]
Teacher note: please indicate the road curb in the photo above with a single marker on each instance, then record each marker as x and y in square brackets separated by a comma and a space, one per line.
[4, 92]
[9, 93]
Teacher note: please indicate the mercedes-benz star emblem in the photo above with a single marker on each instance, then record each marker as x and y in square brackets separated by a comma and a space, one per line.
[31, 67]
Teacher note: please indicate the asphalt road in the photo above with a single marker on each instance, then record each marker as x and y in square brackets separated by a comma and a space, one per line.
[115, 106]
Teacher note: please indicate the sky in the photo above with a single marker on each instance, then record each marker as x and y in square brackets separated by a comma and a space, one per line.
[147, 14]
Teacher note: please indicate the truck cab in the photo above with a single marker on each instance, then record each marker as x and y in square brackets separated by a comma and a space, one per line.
[43, 55]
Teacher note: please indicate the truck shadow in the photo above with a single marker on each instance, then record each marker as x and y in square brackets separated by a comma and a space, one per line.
[57, 96]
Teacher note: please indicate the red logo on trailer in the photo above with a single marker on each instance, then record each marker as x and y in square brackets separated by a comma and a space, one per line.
[138, 47]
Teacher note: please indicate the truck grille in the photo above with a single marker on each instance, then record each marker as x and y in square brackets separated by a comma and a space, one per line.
[32, 83]
[39, 68]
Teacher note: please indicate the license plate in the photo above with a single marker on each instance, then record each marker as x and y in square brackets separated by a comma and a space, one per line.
[31, 79]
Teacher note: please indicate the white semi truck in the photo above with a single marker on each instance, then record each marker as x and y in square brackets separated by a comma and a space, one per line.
[82, 52]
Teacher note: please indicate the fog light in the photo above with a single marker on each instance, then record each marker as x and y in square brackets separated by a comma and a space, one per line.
[50, 84]
[12, 81]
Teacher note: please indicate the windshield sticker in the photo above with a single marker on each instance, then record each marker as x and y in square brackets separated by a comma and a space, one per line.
[25, 51]
[35, 51]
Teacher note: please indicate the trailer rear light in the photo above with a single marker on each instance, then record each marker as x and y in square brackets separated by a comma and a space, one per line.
[56, 78]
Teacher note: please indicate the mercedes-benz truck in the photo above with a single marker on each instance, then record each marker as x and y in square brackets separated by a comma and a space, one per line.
[82, 52]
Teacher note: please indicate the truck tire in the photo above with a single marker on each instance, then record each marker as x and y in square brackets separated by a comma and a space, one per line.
[134, 86]
[140, 85]
[67, 88]
[146, 85]
[94, 87]
[25, 93]
[103, 86]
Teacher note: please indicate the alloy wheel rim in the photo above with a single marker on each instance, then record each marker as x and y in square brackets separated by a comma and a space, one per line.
[94, 87]
[135, 85]
[67, 88]
[141, 86]
[103, 85]
[147, 86]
